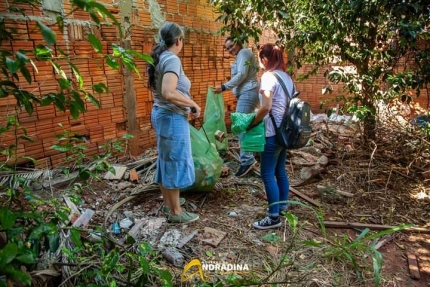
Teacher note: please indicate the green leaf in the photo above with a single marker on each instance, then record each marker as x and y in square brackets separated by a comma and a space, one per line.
[127, 136]
[130, 240]
[26, 74]
[42, 52]
[27, 258]
[166, 277]
[64, 83]
[18, 275]
[145, 57]
[74, 111]
[62, 216]
[54, 242]
[12, 65]
[60, 23]
[80, 104]
[78, 75]
[46, 101]
[110, 262]
[144, 264]
[49, 35]
[312, 243]
[75, 236]
[59, 70]
[95, 42]
[100, 88]
[29, 158]
[8, 84]
[27, 138]
[102, 9]
[92, 99]
[85, 174]
[43, 229]
[61, 148]
[7, 219]
[112, 62]
[7, 254]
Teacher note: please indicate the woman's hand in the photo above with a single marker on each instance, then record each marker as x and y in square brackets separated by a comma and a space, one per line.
[195, 111]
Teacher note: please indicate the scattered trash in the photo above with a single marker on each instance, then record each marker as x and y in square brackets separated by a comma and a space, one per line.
[173, 256]
[84, 218]
[169, 239]
[116, 228]
[126, 223]
[233, 214]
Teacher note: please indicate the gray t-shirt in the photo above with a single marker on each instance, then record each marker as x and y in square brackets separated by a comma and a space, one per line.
[244, 72]
[170, 63]
[279, 99]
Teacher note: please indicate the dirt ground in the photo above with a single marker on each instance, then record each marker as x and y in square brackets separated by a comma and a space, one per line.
[380, 183]
[236, 203]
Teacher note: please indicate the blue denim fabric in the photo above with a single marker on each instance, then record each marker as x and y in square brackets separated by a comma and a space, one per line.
[175, 166]
[274, 176]
[247, 102]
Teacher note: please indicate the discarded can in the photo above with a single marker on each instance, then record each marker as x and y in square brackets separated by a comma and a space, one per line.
[116, 228]
[219, 135]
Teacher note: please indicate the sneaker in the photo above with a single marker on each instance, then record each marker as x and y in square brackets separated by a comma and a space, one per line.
[243, 170]
[267, 223]
[166, 209]
[185, 217]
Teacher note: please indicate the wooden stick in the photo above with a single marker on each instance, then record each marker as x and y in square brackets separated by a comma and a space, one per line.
[352, 225]
[305, 197]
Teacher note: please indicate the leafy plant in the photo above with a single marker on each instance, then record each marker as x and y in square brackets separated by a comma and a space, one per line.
[343, 249]
[27, 233]
[377, 50]
[74, 147]
[27, 223]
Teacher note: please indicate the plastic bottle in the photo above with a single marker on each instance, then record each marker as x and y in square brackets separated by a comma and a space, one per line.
[84, 219]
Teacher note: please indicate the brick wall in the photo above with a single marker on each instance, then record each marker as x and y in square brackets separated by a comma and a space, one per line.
[204, 61]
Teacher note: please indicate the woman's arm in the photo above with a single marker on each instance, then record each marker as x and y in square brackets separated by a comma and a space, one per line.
[266, 105]
[172, 95]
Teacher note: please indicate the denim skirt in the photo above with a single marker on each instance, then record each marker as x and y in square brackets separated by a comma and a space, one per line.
[175, 165]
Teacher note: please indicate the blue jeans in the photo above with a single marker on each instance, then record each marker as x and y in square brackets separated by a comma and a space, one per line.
[274, 176]
[247, 102]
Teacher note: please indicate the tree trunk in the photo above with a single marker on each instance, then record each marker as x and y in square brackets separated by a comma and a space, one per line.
[369, 131]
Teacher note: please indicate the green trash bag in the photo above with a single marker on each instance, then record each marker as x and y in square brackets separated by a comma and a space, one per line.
[214, 119]
[254, 139]
[207, 162]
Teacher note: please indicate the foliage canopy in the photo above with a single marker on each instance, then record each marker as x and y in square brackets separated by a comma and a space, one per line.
[386, 43]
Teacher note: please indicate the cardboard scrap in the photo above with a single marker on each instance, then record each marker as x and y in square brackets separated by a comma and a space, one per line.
[212, 236]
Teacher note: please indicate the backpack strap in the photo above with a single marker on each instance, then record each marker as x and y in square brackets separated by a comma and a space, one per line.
[281, 82]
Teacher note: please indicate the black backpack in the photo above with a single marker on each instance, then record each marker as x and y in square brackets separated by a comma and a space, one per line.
[295, 129]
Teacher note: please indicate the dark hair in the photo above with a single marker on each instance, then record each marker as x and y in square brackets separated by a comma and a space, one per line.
[236, 41]
[168, 35]
[274, 56]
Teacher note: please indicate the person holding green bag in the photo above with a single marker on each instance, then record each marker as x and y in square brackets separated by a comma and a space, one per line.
[244, 83]
[272, 159]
